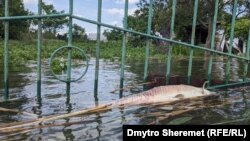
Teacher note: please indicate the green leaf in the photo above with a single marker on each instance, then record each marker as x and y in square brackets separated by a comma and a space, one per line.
[179, 121]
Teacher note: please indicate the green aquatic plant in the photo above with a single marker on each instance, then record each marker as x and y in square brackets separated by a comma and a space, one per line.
[58, 65]
[20, 51]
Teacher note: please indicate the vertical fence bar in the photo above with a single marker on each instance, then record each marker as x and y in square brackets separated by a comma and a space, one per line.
[150, 14]
[190, 63]
[6, 51]
[124, 39]
[209, 73]
[69, 49]
[39, 46]
[98, 47]
[169, 61]
[247, 56]
[231, 41]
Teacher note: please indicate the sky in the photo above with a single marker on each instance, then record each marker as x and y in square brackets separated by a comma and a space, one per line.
[112, 10]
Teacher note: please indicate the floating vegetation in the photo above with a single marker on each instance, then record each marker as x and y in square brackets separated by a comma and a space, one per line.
[21, 51]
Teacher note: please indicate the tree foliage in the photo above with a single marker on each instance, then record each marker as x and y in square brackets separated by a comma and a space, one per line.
[52, 25]
[79, 32]
[113, 34]
[242, 27]
[162, 11]
[17, 27]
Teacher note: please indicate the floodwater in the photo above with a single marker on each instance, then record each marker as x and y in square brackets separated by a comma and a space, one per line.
[232, 107]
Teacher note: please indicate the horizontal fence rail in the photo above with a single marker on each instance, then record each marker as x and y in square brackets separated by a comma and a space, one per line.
[162, 39]
[211, 51]
[12, 18]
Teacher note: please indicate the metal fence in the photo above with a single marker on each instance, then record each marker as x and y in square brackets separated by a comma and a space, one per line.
[125, 30]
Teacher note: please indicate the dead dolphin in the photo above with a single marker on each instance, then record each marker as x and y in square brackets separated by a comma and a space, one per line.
[167, 93]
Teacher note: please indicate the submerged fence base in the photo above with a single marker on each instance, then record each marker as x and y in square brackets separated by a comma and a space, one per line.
[125, 30]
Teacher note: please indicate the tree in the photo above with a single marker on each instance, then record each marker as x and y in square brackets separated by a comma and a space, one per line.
[242, 24]
[184, 15]
[242, 28]
[138, 22]
[79, 32]
[17, 27]
[113, 34]
[52, 25]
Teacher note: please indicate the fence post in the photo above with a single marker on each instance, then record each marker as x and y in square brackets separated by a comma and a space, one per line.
[124, 39]
[169, 61]
[247, 56]
[99, 17]
[69, 49]
[6, 51]
[39, 47]
[209, 73]
[150, 13]
[190, 63]
[231, 41]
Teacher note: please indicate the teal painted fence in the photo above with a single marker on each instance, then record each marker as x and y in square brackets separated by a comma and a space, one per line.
[6, 18]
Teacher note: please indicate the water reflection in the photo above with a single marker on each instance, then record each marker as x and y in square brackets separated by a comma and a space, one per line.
[107, 125]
